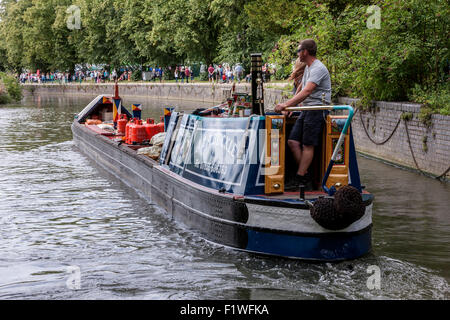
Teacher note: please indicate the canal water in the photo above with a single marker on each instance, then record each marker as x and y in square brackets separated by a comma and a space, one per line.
[71, 230]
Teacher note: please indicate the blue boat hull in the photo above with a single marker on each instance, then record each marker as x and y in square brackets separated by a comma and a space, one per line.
[329, 247]
[223, 218]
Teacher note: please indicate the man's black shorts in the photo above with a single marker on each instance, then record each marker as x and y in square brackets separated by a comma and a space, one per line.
[308, 128]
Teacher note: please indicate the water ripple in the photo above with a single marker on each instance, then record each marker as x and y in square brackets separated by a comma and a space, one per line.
[58, 209]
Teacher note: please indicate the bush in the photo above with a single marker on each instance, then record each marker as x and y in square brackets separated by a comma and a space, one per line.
[282, 56]
[406, 58]
[10, 89]
[435, 100]
[4, 98]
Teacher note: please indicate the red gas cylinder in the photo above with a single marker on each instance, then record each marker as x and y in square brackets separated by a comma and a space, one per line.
[138, 133]
[121, 124]
[128, 131]
[160, 127]
[151, 128]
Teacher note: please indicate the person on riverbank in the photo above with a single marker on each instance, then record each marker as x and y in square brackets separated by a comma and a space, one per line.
[211, 73]
[306, 133]
[187, 73]
[239, 71]
[160, 74]
[220, 72]
[229, 75]
[192, 74]
[153, 74]
[175, 74]
[182, 73]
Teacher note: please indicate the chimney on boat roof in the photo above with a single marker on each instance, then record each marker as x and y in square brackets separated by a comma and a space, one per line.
[257, 84]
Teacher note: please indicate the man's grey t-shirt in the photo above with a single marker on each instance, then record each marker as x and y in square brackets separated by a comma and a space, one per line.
[317, 73]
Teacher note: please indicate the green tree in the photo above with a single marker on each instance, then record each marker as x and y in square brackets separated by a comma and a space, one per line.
[37, 35]
[65, 41]
[95, 46]
[411, 47]
[238, 37]
[11, 26]
[137, 23]
[189, 29]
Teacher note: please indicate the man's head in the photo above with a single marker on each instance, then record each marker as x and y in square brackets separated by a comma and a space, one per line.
[306, 50]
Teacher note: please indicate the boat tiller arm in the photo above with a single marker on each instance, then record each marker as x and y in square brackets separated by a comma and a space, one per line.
[212, 108]
[341, 140]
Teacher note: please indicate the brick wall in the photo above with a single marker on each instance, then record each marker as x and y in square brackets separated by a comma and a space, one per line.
[430, 145]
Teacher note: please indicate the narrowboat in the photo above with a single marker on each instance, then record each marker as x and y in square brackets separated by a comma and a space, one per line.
[222, 172]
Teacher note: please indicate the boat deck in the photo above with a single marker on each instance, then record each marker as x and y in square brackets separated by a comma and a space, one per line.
[289, 198]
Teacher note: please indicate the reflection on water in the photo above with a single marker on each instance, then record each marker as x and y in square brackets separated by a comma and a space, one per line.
[58, 209]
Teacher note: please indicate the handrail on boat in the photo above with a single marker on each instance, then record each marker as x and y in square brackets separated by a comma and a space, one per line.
[341, 140]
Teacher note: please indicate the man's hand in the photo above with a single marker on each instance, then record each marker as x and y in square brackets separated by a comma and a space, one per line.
[280, 107]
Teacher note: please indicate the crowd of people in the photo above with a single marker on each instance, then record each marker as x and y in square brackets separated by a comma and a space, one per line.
[97, 76]
[225, 74]
[153, 74]
[221, 73]
[183, 73]
[51, 77]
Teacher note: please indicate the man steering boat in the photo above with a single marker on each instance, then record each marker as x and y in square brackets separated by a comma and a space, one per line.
[307, 131]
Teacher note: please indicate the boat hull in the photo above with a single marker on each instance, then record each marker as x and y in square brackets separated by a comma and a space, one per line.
[223, 218]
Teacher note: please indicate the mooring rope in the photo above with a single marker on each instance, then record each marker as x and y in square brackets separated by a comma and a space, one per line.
[409, 144]
[410, 147]
[388, 138]
[444, 174]
[414, 158]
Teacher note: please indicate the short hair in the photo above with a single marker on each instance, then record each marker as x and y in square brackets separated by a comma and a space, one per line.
[310, 45]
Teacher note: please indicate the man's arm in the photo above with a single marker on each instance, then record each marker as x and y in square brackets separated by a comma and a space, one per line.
[299, 88]
[299, 97]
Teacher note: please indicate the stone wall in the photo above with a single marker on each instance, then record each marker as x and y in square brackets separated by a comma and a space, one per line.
[202, 92]
[430, 145]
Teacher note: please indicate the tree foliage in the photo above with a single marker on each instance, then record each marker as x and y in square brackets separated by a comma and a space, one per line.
[406, 57]
[10, 90]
